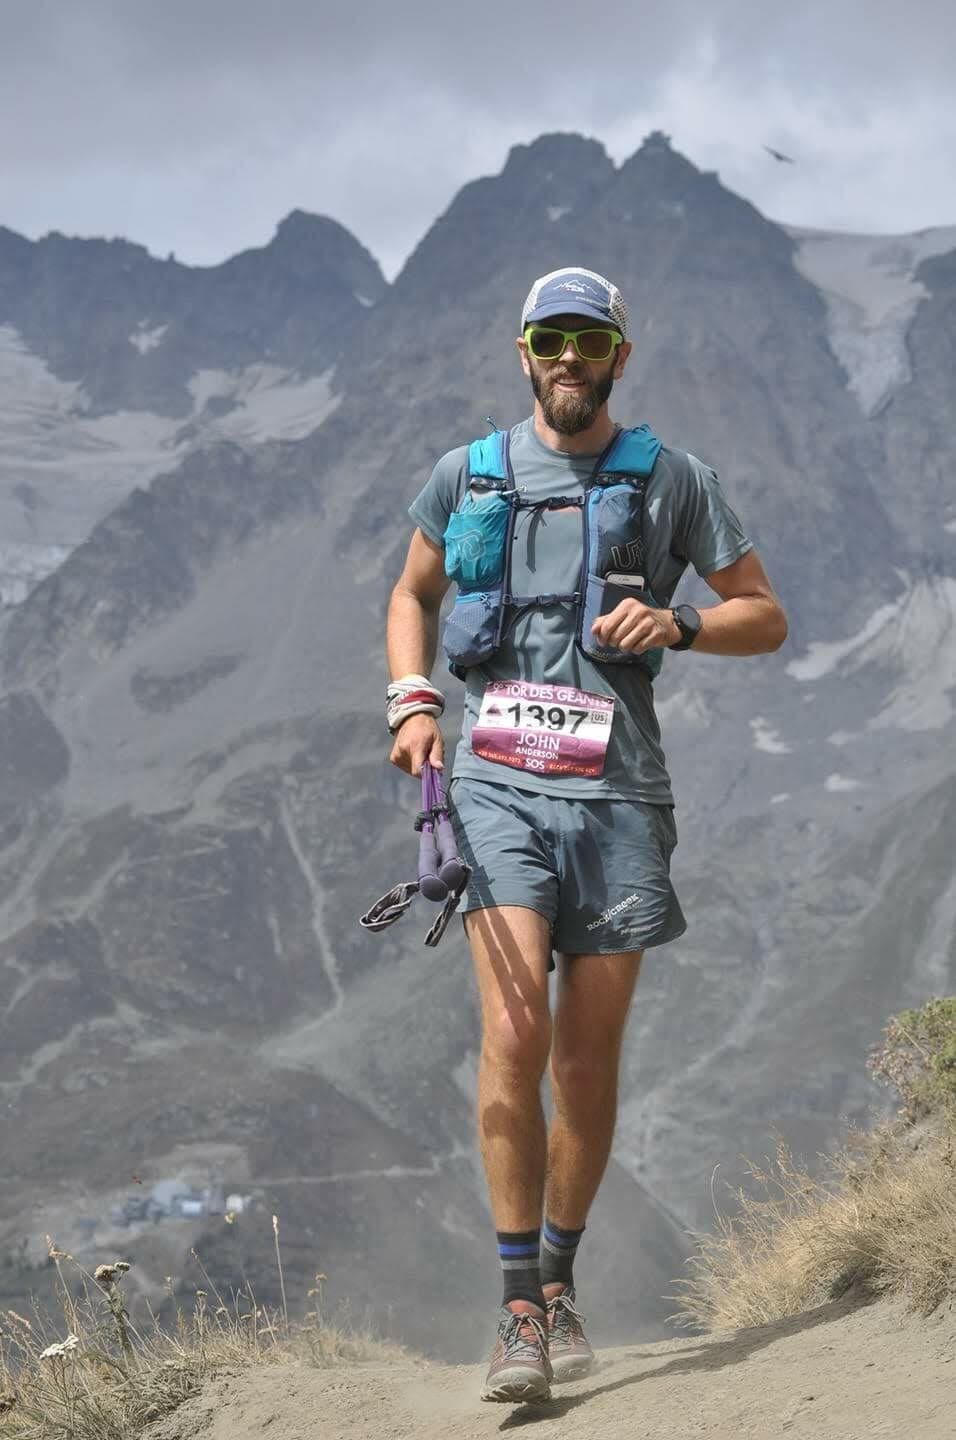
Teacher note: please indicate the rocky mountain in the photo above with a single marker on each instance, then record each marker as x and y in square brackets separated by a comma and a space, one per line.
[196, 803]
[115, 365]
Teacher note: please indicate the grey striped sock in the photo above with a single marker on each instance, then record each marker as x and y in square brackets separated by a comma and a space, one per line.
[518, 1252]
[558, 1249]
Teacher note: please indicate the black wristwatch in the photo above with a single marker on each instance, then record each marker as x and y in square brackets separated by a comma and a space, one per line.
[687, 620]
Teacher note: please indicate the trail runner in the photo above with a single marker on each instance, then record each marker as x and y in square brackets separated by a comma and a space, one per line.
[561, 800]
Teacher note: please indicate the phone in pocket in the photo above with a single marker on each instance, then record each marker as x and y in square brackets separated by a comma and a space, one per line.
[618, 587]
[633, 582]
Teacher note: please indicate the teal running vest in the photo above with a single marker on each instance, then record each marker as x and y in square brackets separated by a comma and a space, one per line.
[479, 540]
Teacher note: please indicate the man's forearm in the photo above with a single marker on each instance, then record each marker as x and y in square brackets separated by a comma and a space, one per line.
[411, 634]
[745, 625]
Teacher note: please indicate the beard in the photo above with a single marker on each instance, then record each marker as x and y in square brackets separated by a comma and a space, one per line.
[570, 414]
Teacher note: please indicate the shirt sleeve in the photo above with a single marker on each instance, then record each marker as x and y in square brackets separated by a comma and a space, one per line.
[434, 504]
[709, 535]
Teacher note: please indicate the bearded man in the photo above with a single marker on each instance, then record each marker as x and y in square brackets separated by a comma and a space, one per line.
[566, 538]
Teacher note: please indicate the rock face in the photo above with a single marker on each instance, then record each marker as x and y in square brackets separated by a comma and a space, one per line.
[114, 365]
[199, 806]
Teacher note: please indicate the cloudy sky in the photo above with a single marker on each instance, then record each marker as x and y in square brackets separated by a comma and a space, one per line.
[194, 127]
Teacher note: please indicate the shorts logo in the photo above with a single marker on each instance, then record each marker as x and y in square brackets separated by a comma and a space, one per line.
[634, 899]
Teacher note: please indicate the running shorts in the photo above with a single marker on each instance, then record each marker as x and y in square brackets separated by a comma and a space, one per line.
[597, 870]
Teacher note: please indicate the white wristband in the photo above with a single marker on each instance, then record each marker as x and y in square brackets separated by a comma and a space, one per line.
[411, 695]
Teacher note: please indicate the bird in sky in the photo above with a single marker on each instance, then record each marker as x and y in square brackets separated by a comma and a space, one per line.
[779, 155]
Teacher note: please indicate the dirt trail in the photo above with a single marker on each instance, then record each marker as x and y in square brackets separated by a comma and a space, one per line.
[838, 1373]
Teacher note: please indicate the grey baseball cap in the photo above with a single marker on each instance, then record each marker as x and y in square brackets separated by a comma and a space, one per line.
[575, 291]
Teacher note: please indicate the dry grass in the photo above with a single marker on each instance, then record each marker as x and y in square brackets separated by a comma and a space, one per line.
[882, 1219]
[91, 1375]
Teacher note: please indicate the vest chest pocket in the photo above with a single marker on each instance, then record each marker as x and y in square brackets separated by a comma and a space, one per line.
[475, 542]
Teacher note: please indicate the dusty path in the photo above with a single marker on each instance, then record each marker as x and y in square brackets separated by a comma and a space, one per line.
[839, 1373]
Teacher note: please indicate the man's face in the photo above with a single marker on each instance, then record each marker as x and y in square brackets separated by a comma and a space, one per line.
[571, 391]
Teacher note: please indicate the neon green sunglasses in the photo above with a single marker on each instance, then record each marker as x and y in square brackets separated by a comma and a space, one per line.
[546, 343]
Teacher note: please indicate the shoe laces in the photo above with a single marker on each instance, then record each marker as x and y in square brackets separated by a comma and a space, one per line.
[565, 1318]
[523, 1334]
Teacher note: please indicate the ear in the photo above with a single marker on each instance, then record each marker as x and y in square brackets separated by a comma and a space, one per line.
[620, 359]
[522, 345]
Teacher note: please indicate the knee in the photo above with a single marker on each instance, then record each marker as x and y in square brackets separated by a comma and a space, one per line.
[517, 1041]
[586, 1075]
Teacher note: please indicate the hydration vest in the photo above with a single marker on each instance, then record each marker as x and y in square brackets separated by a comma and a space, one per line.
[479, 541]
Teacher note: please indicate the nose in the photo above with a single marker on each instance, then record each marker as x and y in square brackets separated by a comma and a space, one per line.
[569, 352]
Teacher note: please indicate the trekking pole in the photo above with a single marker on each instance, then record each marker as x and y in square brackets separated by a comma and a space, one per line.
[430, 884]
[451, 867]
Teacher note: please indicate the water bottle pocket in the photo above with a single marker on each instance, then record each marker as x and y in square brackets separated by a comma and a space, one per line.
[471, 627]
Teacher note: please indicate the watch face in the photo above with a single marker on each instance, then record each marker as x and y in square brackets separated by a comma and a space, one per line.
[688, 622]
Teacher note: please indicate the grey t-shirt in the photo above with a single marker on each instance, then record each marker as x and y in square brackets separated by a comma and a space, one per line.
[687, 520]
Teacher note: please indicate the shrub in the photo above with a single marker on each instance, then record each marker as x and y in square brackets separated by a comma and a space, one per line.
[918, 1058]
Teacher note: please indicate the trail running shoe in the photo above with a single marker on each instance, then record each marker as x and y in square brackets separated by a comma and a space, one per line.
[519, 1369]
[568, 1350]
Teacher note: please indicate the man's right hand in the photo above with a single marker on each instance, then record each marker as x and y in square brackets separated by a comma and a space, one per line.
[418, 739]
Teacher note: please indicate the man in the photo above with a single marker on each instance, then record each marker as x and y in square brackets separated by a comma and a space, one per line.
[562, 803]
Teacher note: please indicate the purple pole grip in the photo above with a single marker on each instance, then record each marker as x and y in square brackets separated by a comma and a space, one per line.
[451, 869]
[429, 884]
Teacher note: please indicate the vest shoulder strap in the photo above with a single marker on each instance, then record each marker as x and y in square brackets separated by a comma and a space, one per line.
[488, 457]
[634, 452]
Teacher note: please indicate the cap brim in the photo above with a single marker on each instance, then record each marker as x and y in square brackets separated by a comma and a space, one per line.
[568, 307]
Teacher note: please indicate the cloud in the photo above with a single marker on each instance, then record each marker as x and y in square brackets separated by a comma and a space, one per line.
[195, 127]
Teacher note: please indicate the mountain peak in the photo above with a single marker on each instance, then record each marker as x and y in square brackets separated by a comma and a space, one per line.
[303, 225]
[559, 153]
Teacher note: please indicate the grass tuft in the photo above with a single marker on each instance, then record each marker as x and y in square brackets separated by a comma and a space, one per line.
[91, 1375]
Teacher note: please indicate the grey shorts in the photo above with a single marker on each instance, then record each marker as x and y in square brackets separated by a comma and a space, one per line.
[597, 870]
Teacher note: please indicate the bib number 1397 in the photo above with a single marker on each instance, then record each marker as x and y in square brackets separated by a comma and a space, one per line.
[544, 729]
[556, 717]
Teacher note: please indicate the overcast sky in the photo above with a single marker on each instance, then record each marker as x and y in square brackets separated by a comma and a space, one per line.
[194, 127]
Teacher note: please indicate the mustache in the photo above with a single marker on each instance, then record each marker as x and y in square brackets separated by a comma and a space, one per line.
[574, 376]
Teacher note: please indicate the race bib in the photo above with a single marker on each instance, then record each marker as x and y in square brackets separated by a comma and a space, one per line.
[546, 729]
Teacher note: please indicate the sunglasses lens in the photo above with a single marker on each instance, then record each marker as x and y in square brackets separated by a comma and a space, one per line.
[546, 344]
[595, 344]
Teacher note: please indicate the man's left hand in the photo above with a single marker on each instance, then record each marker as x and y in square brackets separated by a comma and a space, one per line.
[636, 627]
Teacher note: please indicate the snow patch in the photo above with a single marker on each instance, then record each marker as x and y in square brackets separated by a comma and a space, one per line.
[22, 567]
[558, 212]
[780, 798]
[62, 470]
[923, 646]
[268, 403]
[363, 299]
[837, 782]
[824, 656]
[842, 737]
[767, 738]
[915, 637]
[687, 706]
[871, 295]
[145, 340]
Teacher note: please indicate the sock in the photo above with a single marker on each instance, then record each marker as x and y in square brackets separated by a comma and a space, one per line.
[520, 1265]
[558, 1249]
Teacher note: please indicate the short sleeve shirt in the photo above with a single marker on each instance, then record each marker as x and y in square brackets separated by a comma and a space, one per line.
[687, 521]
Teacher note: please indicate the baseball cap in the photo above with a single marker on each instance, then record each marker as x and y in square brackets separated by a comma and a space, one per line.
[575, 291]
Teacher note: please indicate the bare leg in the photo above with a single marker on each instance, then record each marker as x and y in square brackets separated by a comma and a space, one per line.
[593, 1001]
[511, 947]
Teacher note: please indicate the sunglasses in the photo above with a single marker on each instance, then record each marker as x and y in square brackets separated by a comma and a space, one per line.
[546, 343]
